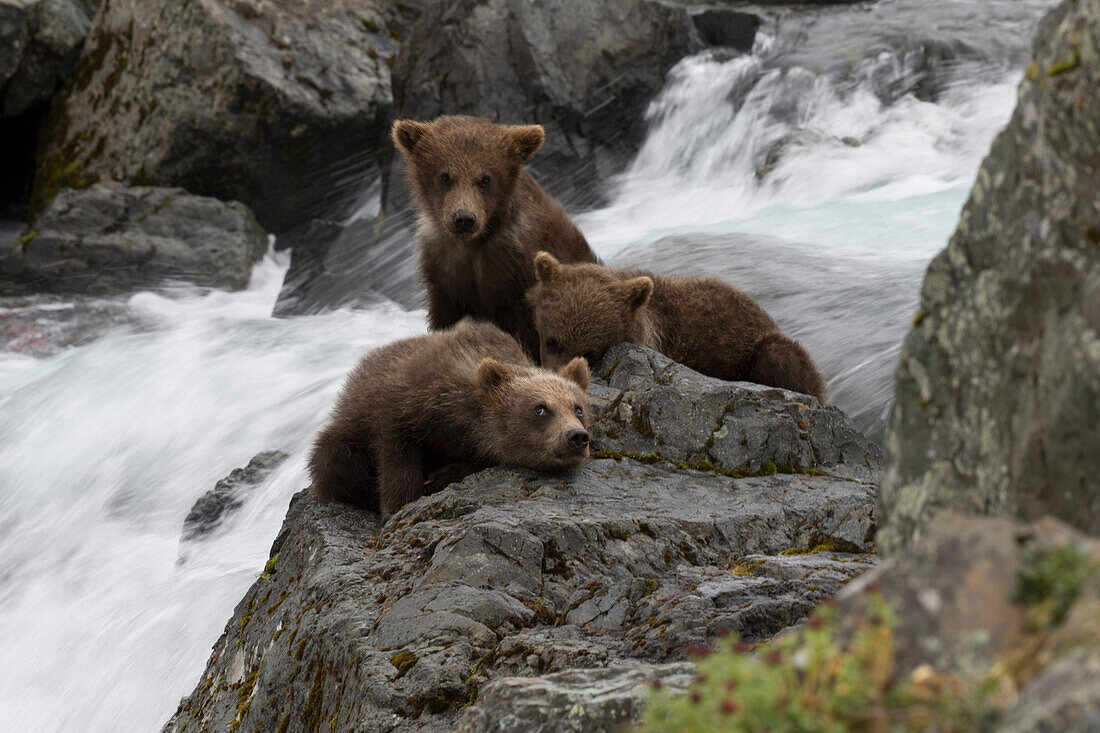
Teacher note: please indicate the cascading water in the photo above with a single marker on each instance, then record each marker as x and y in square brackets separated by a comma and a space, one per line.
[820, 173]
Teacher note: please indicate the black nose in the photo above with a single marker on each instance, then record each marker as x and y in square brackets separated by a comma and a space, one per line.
[463, 220]
[577, 438]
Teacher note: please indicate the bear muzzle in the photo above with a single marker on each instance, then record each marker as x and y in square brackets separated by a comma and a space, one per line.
[463, 221]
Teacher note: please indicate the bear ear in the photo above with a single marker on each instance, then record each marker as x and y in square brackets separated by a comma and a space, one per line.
[546, 266]
[526, 141]
[636, 291]
[407, 133]
[492, 375]
[577, 371]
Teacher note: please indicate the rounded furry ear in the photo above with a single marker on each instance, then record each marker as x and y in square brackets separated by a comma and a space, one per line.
[407, 133]
[526, 140]
[636, 291]
[491, 375]
[546, 265]
[577, 371]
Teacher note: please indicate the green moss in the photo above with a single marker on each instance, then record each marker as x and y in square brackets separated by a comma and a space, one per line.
[650, 585]
[301, 649]
[244, 696]
[1061, 67]
[543, 615]
[746, 569]
[403, 661]
[642, 424]
[283, 724]
[768, 468]
[618, 455]
[28, 235]
[919, 316]
[311, 711]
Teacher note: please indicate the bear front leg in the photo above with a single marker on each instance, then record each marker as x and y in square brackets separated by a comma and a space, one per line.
[400, 475]
[443, 311]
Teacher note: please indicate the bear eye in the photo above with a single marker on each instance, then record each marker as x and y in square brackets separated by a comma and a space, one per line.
[484, 182]
[445, 177]
[540, 410]
[551, 344]
[579, 411]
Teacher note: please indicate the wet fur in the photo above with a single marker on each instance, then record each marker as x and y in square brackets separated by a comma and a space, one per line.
[486, 272]
[421, 412]
[701, 322]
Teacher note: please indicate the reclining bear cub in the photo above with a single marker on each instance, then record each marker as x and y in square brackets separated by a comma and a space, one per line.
[701, 322]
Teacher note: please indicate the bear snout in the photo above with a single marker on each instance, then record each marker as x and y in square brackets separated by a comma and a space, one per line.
[577, 440]
[463, 221]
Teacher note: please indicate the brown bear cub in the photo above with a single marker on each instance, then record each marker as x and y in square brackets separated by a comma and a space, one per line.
[481, 219]
[445, 405]
[701, 322]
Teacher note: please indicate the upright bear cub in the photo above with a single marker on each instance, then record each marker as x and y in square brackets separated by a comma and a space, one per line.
[704, 323]
[444, 405]
[481, 219]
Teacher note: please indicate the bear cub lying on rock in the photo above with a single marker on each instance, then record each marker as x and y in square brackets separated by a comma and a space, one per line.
[481, 218]
[701, 322]
[421, 412]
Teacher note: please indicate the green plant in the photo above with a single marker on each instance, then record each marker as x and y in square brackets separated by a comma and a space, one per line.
[1051, 582]
[835, 674]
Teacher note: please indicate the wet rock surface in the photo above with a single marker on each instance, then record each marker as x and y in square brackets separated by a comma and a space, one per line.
[110, 238]
[998, 390]
[567, 586]
[228, 495]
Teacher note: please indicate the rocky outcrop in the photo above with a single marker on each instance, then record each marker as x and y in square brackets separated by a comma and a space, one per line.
[998, 390]
[262, 101]
[40, 41]
[573, 584]
[109, 238]
[228, 495]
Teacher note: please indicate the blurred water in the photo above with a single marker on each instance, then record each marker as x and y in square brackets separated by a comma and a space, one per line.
[819, 173]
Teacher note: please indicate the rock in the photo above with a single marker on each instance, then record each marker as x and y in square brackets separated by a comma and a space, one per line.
[802, 137]
[957, 598]
[998, 389]
[513, 574]
[109, 238]
[652, 406]
[724, 27]
[40, 41]
[228, 495]
[584, 69]
[276, 103]
[589, 700]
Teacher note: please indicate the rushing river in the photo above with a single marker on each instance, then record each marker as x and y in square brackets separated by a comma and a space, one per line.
[820, 173]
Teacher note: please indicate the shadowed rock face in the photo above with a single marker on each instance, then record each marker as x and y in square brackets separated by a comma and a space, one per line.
[275, 103]
[511, 577]
[40, 41]
[109, 238]
[998, 389]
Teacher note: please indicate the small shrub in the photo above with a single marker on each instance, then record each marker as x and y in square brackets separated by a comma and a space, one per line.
[833, 675]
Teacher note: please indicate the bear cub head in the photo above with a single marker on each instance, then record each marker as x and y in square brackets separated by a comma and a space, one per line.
[462, 170]
[534, 417]
[583, 310]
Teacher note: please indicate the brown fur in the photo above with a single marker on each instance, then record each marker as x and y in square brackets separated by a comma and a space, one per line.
[702, 322]
[485, 271]
[421, 412]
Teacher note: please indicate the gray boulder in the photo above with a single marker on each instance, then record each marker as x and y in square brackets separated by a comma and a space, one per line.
[109, 238]
[998, 388]
[40, 41]
[260, 101]
[584, 69]
[560, 589]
